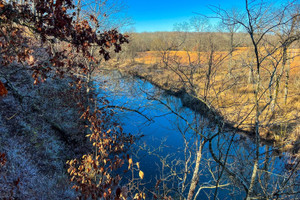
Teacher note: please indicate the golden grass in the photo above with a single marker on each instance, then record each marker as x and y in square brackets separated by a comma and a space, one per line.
[231, 91]
[154, 57]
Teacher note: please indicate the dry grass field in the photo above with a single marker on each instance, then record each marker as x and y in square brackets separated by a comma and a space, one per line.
[230, 87]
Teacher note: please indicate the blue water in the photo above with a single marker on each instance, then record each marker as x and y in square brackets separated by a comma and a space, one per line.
[163, 132]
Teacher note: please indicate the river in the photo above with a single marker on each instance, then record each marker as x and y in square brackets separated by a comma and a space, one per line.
[171, 138]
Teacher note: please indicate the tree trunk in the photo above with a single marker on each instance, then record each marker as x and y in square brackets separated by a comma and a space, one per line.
[278, 78]
[208, 74]
[257, 136]
[287, 76]
[195, 178]
[78, 10]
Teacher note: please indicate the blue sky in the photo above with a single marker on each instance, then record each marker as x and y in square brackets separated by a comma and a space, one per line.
[161, 15]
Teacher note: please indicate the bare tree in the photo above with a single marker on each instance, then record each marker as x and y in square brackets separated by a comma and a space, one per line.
[258, 20]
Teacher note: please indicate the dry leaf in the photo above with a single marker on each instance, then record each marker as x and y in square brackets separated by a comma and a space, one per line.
[141, 174]
[3, 91]
[130, 163]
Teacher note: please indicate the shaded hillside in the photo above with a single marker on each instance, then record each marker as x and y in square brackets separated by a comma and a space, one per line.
[40, 131]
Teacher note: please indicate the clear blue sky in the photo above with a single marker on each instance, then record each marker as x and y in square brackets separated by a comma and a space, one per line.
[161, 15]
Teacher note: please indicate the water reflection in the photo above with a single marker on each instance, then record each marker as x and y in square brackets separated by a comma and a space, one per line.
[176, 139]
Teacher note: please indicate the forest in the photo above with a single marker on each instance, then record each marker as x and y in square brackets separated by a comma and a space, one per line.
[90, 110]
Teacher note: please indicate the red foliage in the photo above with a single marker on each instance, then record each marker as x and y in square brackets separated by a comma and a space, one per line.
[51, 20]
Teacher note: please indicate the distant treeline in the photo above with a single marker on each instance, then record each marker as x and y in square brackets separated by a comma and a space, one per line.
[188, 41]
[185, 41]
[192, 41]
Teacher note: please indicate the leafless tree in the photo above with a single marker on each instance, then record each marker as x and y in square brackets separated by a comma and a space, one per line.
[259, 20]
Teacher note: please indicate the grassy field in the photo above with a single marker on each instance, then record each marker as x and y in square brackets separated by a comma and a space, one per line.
[231, 88]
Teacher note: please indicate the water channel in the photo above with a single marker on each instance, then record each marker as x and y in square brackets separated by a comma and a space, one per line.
[171, 134]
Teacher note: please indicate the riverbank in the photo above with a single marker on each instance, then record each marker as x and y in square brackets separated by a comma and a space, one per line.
[40, 130]
[271, 132]
[169, 134]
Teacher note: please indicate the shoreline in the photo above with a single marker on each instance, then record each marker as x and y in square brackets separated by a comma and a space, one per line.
[199, 106]
[214, 116]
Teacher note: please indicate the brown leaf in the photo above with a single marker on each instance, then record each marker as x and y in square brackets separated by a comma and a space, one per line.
[3, 90]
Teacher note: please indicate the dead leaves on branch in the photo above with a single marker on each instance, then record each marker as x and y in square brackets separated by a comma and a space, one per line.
[95, 175]
[131, 165]
[52, 23]
[98, 175]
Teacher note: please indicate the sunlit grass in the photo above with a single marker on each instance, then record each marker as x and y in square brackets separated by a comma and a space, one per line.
[231, 87]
